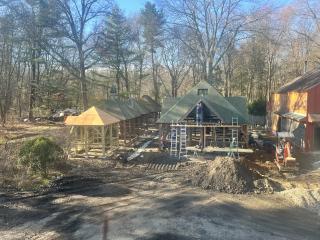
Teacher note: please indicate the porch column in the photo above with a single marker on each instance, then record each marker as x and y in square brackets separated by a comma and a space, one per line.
[110, 135]
[103, 133]
[86, 141]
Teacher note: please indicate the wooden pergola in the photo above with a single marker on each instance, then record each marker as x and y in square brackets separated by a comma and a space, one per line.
[93, 129]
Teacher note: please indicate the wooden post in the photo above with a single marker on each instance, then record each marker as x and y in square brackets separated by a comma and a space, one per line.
[110, 135]
[86, 141]
[103, 133]
[72, 132]
[117, 132]
[190, 135]
[125, 132]
[160, 136]
[129, 128]
[204, 137]
[224, 136]
[201, 137]
[82, 138]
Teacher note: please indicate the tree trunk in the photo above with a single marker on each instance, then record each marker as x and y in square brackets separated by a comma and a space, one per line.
[83, 82]
[154, 78]
[210, 71]
[33, 81]
[126, 78]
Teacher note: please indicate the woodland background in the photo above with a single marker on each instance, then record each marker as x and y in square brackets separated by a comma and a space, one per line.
[56, 54]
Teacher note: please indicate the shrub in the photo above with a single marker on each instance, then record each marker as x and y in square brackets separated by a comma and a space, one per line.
[257, 107]
[39, 154]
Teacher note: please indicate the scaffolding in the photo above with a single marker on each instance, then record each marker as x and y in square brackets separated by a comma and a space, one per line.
[225, 138]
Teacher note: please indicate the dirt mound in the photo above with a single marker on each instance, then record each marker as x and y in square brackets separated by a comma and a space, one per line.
[224, 174]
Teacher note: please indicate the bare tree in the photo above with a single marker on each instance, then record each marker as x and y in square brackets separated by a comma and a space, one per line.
[77, 30]
[9, 60]
[203, 26]
[176, 63]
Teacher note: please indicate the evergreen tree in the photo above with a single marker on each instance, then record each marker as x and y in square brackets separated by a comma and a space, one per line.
[115, 46]
[153, 22]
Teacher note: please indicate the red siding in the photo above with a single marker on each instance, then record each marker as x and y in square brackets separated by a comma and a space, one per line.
[313, 107]
[314, 100]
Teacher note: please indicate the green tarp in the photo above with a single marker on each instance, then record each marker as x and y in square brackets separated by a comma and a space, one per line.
[225, 108]
[129, 109]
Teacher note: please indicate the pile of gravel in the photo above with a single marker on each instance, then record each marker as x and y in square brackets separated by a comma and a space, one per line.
[223, 174]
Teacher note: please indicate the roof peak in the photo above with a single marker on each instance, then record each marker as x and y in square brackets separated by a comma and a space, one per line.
[92, 117]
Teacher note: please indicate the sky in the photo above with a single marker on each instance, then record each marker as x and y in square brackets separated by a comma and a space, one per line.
[131, 6]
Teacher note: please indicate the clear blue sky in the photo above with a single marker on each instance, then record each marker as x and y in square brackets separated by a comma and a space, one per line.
[131, 6]
[134, 6]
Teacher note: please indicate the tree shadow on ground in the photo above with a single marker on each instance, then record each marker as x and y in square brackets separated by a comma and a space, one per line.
[63, 217]
[93, 187]
[277, 221]
[166, 236]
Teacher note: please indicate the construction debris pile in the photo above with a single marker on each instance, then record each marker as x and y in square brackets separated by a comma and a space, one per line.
[223, 174]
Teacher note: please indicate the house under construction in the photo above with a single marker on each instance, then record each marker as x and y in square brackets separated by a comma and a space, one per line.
[135, 115]
[114, 122]
[223, 123]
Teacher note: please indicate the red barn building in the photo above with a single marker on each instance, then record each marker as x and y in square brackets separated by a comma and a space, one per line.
[295, 108]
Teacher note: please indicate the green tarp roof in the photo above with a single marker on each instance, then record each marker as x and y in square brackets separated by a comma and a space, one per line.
[168, 103]
[240, 103]
[224, 108]
[129, 109]
[152, 103]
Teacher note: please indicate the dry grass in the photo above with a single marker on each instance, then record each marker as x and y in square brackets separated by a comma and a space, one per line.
[14, 176]
[22, 130]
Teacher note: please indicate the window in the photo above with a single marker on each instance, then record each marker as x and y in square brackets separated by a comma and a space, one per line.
[202, 92]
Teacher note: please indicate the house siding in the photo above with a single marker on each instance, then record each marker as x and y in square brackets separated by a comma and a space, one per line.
[314, 100]
[297, 102]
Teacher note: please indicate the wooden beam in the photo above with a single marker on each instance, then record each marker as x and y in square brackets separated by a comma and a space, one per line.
[125, 132]
[110, 136]
[201, 138]
[129, 128]
[204, 137]
[117, 132]
[86, 141]
[161, 136]
[82, 139]
[103, 133]
[224, 136]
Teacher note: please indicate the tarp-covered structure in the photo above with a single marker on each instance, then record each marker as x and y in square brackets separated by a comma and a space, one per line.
[135, 115]
[225, 108]
[219, 115]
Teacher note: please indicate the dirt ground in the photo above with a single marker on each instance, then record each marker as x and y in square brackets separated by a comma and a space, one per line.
[149, 205]
[151, 198]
